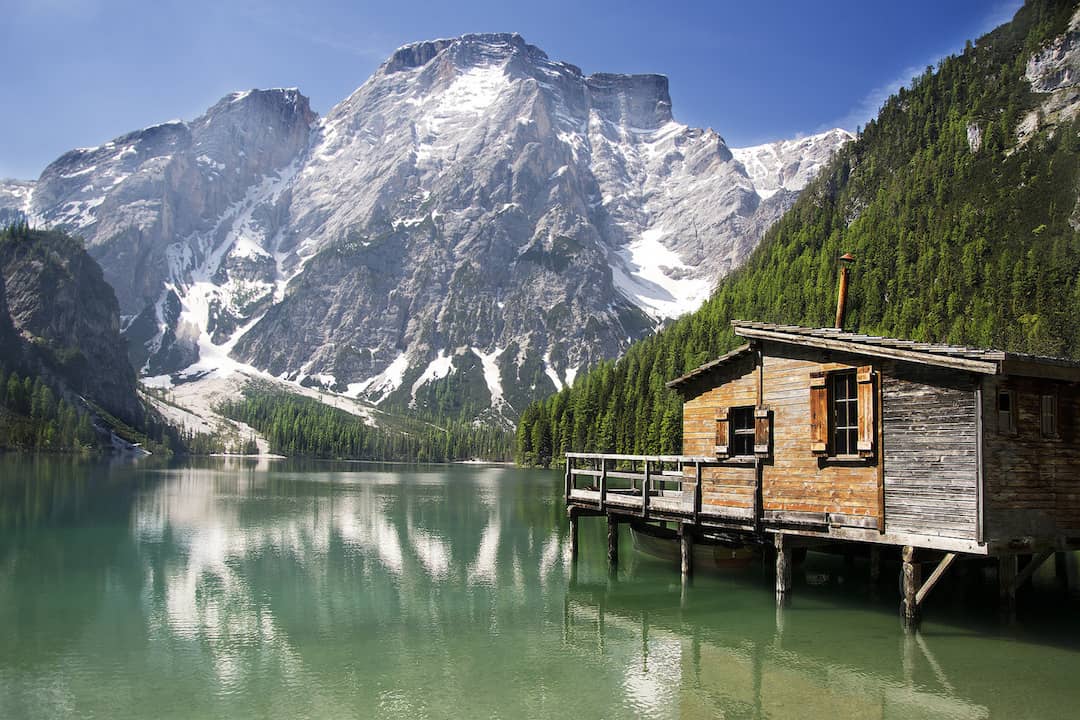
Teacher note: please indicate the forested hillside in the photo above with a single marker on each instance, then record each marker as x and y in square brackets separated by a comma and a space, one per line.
[301, 426]
[960, 204]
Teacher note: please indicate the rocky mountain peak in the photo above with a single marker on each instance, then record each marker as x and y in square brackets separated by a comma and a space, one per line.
[466, 231]
[634, 101]
[465, 51]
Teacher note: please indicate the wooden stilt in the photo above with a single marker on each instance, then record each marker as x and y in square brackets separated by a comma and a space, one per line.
[1023, 561]
[1027, 569]
[912, 579]
[686, 538]
[612, 542]
[1072, 575]
[1007, 584]
[783, 570]
[574, 520]
[936, 575]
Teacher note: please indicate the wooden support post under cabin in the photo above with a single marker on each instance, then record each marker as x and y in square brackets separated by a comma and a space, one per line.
[912, 578]
[875, 564]
[612, 542]
[1007, 583]
[574, 520]
[936, 575]
[1065, 569]
[686, 543]
[783, 570]
[1028, 569]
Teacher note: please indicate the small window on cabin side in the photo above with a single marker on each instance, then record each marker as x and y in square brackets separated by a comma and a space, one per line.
[1006, 408]
[845, 413]
[1049, 416]
[742, 431]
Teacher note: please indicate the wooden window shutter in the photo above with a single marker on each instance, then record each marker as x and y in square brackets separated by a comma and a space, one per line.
[867, 429]
[762, 431]
[819, 413]
[722, 433]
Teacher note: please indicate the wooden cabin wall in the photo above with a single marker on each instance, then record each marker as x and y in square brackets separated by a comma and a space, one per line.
[728, 487]
[930, 451]
[794, 480]
[1032, 482]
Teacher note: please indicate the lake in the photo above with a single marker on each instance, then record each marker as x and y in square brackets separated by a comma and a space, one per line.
[251, 589]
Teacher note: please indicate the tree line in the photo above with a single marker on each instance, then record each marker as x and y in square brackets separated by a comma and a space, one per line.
[33, 417]
[299, 426]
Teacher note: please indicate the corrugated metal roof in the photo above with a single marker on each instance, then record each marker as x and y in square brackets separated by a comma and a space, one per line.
[980, 360]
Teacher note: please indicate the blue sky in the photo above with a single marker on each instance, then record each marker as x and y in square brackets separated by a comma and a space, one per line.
[80, 72]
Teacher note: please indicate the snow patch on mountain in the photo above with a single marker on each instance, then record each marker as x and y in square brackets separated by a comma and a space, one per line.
[492, 376]
[384, 383]
[550, 371]
[437, 369]
[656, 279]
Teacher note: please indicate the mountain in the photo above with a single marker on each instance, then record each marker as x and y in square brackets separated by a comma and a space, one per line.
[59, 321]
[961, 204]
[464, 233]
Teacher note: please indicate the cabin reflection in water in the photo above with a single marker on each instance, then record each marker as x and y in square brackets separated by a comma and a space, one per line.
[760, 673]
[805, 437]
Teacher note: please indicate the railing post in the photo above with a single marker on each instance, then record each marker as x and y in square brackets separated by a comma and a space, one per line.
[697, 490]
[569, 480]
[603, 483]
[645, 492]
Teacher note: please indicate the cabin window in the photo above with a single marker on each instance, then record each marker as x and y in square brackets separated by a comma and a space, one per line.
[845, 414]
[842, 413]
[1006, 410]
[1049, 416]
[742, 431]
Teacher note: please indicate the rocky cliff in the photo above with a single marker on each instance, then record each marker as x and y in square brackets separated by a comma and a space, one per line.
[59, 319]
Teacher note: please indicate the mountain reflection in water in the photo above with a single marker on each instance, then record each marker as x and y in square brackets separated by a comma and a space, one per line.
[244, 589]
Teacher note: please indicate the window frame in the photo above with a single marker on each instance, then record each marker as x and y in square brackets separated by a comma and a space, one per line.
[851, 403]
[742, 433]
[861, 423]
[1006, 419]
[1052, 430]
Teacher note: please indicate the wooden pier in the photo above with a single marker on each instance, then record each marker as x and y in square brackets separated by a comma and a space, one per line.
[811, 437]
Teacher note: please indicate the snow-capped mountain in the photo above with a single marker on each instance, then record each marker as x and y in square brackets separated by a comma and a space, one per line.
[466, 231]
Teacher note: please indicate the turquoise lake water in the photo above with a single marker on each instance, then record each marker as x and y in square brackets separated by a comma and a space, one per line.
[254, 589]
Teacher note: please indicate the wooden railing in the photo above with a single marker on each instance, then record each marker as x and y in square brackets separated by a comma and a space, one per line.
[640, 484]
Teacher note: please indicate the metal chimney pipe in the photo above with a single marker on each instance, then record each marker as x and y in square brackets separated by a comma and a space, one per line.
[841, 299]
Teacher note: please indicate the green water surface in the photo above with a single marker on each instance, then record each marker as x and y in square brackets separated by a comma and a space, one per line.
[275, 589]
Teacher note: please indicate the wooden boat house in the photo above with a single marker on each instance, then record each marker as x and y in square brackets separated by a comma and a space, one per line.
[814, 435]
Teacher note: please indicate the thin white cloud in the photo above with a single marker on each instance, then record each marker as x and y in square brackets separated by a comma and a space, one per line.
[868, 107]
